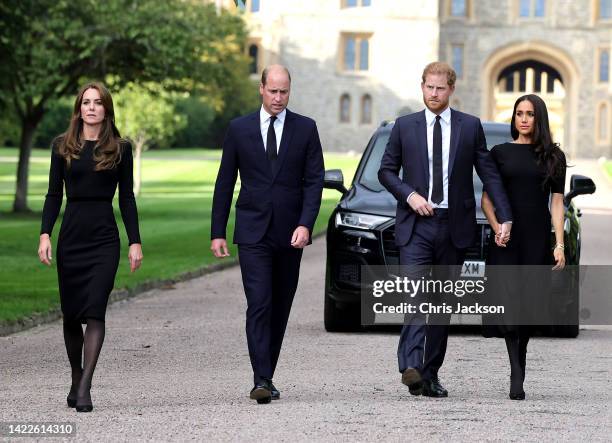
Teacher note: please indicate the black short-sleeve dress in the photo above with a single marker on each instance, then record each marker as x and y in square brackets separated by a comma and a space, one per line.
[530, 241]
[88, 243]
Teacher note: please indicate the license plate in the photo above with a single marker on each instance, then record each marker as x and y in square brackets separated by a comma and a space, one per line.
[472, 268]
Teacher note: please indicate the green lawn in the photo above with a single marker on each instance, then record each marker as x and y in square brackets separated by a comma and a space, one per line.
[174, 208]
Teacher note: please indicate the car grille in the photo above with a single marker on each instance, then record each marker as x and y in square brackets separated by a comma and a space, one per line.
[347, 269]
[478, 251]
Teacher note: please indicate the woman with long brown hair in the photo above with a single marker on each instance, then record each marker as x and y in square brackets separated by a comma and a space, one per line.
[532, 168]
[90, 159]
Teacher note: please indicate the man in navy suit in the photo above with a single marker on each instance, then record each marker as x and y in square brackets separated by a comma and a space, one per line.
[436, 210]
[280, 160]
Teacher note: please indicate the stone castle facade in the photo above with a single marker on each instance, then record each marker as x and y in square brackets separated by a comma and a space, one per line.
[355, 63]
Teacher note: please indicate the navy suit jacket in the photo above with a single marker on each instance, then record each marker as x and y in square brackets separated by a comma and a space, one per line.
[407, 149]
[286, 197]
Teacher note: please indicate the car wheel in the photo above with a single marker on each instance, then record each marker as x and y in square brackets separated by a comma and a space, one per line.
[566, 331]
[338, 319]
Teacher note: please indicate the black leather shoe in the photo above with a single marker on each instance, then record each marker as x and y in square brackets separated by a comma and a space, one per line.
[84, 404]
[411, 377]
[261, 392]
[517, 396]
[275, 393]
[433, 388]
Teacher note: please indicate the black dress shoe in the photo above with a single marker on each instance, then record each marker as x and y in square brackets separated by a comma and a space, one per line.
[517, 396]
[433, 388]
[411, 377]
[275, 393]
[261, 392]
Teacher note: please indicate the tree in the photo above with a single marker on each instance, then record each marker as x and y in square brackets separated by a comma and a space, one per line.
[49, 47]
[199, 115]
[146, 118]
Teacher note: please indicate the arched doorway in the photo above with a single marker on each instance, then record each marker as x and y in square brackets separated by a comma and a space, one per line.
[531, 77]
[537, 67]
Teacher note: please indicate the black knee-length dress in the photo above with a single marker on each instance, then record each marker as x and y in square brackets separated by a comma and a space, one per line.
[530, 240]
[88, 243]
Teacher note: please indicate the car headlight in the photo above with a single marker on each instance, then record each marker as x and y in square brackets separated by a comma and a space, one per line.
[359, 221]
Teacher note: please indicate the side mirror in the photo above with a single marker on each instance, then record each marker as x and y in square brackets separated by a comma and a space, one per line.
[334, 180]
[579, 185]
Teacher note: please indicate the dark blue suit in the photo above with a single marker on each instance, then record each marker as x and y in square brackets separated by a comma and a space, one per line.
[271, 204]
[443, 238]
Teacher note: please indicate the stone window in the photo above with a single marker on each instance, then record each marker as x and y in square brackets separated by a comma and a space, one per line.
[532, 8]
[254, 58]
[603, 123]
[355, 3]
[254, 6]
[366, 109]
[457, 59]
[604, 9]
[355, 52]
[458, 8]
[345, 108]
[604, 65]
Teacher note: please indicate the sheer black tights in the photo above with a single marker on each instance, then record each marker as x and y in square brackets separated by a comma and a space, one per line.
[516, 343]
[83, 348]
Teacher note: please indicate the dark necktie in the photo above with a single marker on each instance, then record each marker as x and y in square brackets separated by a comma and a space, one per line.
[437, 192]
[271, 142]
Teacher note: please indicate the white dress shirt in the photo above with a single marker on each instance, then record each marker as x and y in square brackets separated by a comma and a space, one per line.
[264, 122]
[445, 124]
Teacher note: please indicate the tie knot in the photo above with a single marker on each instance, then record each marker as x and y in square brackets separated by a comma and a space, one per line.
[273, 119]
[438, 118]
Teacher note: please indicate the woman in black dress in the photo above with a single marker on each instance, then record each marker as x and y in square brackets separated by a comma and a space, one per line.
[533, 171]
[89, 159]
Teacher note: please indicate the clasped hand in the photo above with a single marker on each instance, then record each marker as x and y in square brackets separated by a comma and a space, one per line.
[502, 234]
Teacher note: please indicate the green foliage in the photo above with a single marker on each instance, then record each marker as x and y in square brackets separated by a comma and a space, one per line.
[9, 128]
[199, 117]
[146, 115]
[608, 168]
[55, 122]
[49, 47]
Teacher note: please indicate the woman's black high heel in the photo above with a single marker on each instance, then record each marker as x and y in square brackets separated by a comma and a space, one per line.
[516, 370]
[72, 396]
[84, 404]
[71, 400]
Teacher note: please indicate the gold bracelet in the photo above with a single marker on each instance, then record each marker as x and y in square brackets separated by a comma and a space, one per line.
[560, 246]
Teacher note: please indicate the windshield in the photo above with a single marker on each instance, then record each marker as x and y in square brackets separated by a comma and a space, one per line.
[369, 175]
[495, 134]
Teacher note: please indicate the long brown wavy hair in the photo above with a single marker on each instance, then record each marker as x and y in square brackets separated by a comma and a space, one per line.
[107, 152]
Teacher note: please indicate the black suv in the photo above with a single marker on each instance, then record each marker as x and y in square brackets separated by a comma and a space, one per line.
[361, 232]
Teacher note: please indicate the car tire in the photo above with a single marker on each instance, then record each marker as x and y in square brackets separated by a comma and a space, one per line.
[337, 319]
[566, 331]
